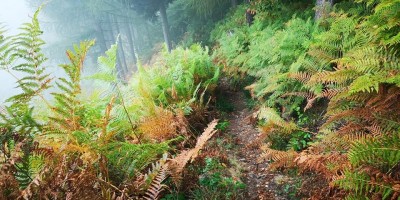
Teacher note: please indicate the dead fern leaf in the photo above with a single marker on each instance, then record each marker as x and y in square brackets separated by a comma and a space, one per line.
[280, 158]
[302, 77]
[177, 164]
[160, 126]
[156, 187]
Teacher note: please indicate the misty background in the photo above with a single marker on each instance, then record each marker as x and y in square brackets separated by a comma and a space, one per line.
[12, 14]
[142, 29]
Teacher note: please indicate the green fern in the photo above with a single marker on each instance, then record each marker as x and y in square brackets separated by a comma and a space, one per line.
[361, 184]
[27, 49]
[18, 118]
[126, 159]
[382, 153]
[67, 104]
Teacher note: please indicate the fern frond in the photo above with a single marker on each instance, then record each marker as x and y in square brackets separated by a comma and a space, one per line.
[382, 152]
[156, 187]
[274, 121]
[302, 77]
[160, 126]
[66, 110]
[28, 50]
[330, 165]
[177, 164]
[281, 159]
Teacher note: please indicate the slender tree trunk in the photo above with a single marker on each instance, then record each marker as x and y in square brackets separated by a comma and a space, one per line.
[128, 30]
[100, 37]
[131, 45]
[137, 41]
[322, 8]
[120, 68]
[234, 3]
[165, 26]
[121, 46]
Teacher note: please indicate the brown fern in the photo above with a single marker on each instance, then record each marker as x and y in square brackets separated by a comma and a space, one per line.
[156, 187]
[177, 164]
[160, 126]
[281, 159]
[329, 165]
[302, 77]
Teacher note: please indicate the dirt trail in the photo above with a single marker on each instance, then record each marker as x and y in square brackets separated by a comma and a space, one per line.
[260, 182]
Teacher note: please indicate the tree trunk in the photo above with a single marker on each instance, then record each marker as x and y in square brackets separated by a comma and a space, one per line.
[322, 8]
[120, 69]
[121, 47]
[234, 3]
[137, 40]
[165, 26]
[130, 37]
[100, 37]
[131, 44]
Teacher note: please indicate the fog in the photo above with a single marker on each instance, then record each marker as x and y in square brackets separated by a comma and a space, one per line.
[140, 28]
[12, 14]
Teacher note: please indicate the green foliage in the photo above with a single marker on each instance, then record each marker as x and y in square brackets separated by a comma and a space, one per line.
[361, 184]
[93, 137]
[371, 158]
[223, 125]
[351, 60]
[278, 141]
[299, 140]
[291, 190]
[67, 105]
[382, 153]
[22, 53]
[177, 81]
[149, 8]
[192, 21]
[27, 46]
[216, 185]
[126, 160]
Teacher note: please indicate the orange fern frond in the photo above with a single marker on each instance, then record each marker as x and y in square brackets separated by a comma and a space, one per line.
[302, 77]
[160, 126]
[280, 158]
[177, 164]
[156, 187]
[329, 165]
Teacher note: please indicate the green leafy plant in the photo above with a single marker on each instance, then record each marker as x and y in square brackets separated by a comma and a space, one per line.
[349, 60]
[214, 184]
[223, 125]
[299, 140]
[91, 139]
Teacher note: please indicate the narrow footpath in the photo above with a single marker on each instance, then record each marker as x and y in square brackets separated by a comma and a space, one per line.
[260, 182]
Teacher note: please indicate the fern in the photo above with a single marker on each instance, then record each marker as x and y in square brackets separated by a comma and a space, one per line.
[27, 47]
[66, 110]
[177, 164]
[17, 118]
[382, 153]
[156, 187]
[361, 183]
[127, 160]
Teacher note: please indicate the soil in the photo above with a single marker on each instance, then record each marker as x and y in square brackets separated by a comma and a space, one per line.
[261, 183]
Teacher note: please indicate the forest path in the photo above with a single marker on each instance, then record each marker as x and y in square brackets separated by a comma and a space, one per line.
[260, 182]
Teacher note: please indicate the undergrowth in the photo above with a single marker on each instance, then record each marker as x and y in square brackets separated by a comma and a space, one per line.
[112, 142]
[328, 90]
